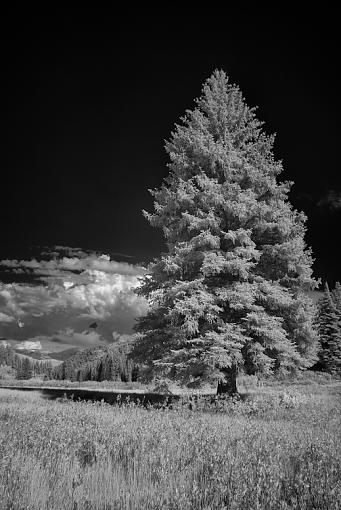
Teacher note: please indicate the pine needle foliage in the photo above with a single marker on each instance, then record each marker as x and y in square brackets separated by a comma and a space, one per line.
[329, 328]
[230, 292]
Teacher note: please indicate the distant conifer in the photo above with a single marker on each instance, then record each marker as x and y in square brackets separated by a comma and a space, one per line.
[329, 328]
[26, 369]
[336, 295]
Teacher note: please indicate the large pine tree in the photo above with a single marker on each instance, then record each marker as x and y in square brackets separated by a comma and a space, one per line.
[230, 292]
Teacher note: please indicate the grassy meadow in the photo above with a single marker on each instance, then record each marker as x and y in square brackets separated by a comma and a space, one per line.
[277, 448]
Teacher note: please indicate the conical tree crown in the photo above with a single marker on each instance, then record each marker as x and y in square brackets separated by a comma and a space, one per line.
[336, 293]
[230, 289]
[329, 328]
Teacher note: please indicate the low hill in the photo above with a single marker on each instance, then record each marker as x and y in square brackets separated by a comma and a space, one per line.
[108, 362]
[64, 355]
[34, 354]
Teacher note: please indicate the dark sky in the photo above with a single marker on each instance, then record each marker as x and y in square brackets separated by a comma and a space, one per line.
[90, 96]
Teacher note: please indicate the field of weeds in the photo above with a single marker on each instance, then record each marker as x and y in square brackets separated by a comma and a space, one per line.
[278, 448]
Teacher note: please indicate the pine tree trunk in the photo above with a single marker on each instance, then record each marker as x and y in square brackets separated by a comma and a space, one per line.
[228, 384]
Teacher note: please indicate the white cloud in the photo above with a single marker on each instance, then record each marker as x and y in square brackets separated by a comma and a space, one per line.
[6, 318]
[99, 290]
[68, 285]
[29, 345]
[104, 293]
[83, 339]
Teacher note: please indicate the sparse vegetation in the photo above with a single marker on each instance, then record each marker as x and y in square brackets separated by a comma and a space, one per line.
[279, 448]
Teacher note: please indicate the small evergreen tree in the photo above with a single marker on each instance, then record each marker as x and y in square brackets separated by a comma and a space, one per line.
[336, 295]
[7, 356]
[106, 373]
[47, 369]
[18, 366]
[329, 328]
[26, 369]
[230, 291]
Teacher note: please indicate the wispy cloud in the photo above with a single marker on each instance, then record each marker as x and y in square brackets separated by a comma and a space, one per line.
[58, 267]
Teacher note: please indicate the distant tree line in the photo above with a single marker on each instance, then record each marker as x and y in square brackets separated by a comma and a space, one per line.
[13, 365]
[107, 363]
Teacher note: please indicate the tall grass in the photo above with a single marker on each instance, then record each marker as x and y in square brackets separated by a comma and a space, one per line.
[272, 451]
[55, 383]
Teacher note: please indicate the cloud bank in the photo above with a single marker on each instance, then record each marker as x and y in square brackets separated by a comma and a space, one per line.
[68, 294]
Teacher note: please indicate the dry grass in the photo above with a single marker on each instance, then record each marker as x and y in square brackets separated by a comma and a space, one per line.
[278, 449]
